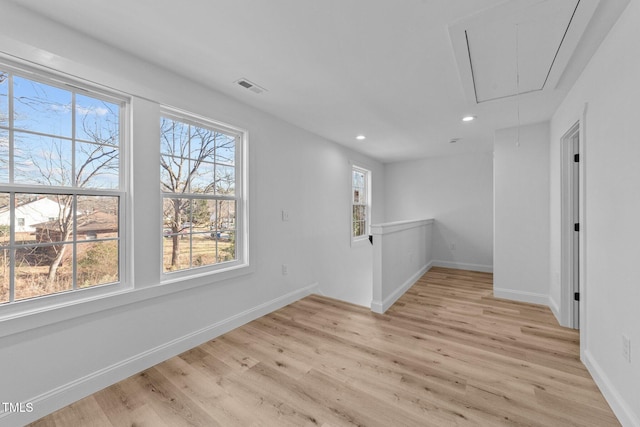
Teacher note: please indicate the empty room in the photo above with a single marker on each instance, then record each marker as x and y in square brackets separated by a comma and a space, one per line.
[330, 213]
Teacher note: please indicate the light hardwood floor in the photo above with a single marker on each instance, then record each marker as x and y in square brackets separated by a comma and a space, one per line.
[447, 353]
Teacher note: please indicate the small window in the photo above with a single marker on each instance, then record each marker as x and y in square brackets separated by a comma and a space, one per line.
[20, 222]
[360, 202]
[200, 180]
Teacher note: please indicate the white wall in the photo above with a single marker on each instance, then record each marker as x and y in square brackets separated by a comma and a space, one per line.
[457, 192]
[336, 259]
[521, 213]
[610, 294]
[55, 357]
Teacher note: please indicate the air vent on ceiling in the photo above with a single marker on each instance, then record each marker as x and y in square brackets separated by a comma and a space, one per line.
[250, 85]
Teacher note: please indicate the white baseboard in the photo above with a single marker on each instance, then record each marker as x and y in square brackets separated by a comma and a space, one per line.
[464, 266]
[73, 391]
[619, 405]
[382, 306]
[522, 296]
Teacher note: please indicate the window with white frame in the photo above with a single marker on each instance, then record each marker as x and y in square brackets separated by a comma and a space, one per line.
[202, 192]
[61, 185]
[360, 202]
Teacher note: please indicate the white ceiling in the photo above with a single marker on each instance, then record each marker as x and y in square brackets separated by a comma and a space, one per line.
[383, 68]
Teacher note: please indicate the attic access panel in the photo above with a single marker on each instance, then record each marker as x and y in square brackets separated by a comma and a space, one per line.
[518, 47]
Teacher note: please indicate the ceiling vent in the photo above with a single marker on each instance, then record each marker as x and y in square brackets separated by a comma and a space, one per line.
[518, 47]
[250, 85]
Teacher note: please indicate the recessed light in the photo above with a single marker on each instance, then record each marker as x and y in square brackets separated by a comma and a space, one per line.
[361, 137]
[468, 118]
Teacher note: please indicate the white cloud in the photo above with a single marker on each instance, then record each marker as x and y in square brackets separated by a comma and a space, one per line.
[97, 111]
[63, 108]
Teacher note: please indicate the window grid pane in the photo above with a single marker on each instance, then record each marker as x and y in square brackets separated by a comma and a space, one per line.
[5, 272]
[97, 121]
[42, 108]
[33, 272]
[42, 160]
[5, 252]
[4, 99]
[98, 263]
[4, 153]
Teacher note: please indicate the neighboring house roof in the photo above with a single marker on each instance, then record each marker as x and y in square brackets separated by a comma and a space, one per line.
[100, 222]
[97, 222]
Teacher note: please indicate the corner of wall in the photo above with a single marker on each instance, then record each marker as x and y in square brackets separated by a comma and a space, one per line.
[555, 308]
[522, 296]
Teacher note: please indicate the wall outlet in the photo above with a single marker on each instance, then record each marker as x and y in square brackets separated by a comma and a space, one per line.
[626, 348]
[285, 269]
[285, 215]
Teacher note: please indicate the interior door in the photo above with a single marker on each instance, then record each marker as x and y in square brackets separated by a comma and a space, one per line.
[575, 208]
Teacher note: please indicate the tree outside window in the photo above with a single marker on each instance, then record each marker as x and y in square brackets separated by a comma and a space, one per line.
[198, 171]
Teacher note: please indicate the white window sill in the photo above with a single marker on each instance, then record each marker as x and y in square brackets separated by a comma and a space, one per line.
[360, 241]
[20, 321]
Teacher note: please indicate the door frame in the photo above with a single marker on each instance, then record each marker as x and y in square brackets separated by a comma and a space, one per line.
[570, 211]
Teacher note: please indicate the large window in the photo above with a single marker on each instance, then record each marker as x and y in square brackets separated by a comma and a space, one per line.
[60, 186]
[360, 201]
[200, 174]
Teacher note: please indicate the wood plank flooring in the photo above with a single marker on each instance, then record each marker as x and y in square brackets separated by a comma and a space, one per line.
[446, 354]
